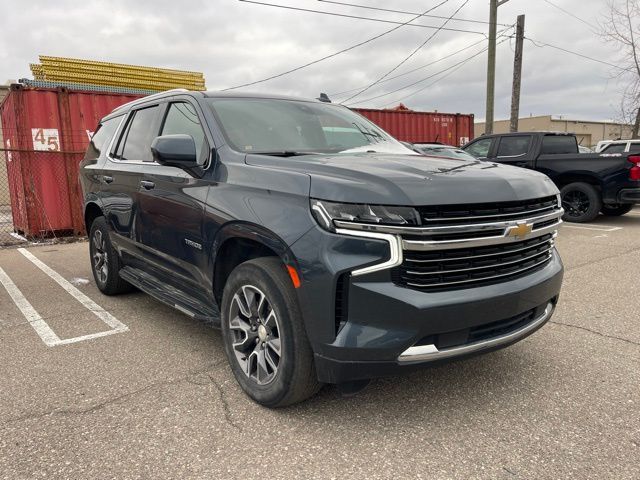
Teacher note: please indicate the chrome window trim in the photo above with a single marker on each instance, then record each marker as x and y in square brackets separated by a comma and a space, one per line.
[395, 247]
[429, 353]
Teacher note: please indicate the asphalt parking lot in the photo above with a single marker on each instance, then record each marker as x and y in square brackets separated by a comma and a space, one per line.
[124, 387]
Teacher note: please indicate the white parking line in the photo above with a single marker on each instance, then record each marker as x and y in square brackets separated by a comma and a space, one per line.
[597, 228]
[45, 332]
[47, 335]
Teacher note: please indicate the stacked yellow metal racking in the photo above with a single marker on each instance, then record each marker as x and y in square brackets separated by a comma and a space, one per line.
[90, 72]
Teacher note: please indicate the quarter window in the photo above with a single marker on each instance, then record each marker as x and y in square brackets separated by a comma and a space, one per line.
[480, 149]
[559, 144]
[615, 148]
[514, 146]
[102, 137]
[135, 144]
[182, 118]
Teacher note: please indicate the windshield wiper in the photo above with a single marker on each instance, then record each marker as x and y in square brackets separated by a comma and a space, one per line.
[376, 136]
[285, 153]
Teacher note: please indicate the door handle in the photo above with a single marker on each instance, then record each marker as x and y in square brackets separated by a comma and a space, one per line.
[147, 185]
[107, 179]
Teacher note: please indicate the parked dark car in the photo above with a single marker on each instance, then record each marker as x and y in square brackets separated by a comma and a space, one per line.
[325, 250]
[440, 150]
[590, 183]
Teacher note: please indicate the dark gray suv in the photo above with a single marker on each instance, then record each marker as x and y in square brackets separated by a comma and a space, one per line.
[325, 250]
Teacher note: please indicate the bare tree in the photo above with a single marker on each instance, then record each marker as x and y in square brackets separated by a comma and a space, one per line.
[621, 28]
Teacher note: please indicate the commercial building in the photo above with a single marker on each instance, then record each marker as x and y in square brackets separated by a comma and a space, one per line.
[588, 132]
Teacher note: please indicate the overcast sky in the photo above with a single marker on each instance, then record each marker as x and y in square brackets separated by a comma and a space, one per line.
[234, 43]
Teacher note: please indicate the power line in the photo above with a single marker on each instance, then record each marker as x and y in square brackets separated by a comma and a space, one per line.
[500, 34]
[540, 44]
[407, 13]
[326, 57]
[433, 27]
[572, 15]
[424, 79]
[410, 55]
[453, 69]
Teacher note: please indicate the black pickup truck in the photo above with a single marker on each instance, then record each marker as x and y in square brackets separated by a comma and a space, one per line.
[590, 183]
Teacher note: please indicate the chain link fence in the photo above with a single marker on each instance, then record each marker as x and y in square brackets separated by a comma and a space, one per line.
[39, 195]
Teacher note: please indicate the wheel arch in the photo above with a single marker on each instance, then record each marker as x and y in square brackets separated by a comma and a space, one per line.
[91, 211]
[239, 242]
[573, 177]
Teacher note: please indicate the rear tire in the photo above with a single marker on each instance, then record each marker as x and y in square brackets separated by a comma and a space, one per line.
[617, 210]
[264, 336]
[105, 261]
[581, 202]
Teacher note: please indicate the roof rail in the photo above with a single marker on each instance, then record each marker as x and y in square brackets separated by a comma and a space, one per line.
[151, 97]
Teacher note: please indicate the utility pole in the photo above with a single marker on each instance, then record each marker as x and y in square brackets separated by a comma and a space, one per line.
[517, 75]
[491, 63]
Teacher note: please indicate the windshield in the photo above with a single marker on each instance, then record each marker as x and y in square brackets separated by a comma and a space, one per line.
[445, 152]
[290, 127]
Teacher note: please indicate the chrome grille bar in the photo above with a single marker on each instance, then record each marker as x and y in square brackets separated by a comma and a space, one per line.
[482, 279]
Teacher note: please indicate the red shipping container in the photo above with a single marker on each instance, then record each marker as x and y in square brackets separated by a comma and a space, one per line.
[46, 132]
[422, 127]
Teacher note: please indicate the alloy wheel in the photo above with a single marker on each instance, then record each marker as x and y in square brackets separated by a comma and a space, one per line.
[576, 203]
[255, 334]
[99, 256]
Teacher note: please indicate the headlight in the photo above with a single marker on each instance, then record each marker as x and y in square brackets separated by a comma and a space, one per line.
[326, 212]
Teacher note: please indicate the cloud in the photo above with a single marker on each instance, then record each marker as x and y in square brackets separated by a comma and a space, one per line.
[234, 43]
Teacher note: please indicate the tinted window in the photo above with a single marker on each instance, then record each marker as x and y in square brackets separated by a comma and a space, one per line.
[634, 148]
[615, 148]
[514, 146]
[102, 137]
[135, 144]
[479, 149]
[269, 126]
[557, 144]
[183, 119]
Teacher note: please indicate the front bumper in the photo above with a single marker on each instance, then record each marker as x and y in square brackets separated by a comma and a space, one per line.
[388, 329]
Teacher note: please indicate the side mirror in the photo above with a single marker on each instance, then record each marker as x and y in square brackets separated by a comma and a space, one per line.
[175, 151]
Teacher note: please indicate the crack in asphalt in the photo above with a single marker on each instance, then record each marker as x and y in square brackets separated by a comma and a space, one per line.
[613, 337]
[225, 404]
[125, 396]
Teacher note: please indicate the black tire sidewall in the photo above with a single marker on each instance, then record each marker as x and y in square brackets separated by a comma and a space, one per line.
[282, 300]
[113, 284]
[595, 202]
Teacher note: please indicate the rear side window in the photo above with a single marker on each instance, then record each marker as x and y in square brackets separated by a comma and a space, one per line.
[514, 146]
[558, 144]
[615, 148]
[182, 118]
[634, 148]
[479, 149]
[102, 137]
[135, 143]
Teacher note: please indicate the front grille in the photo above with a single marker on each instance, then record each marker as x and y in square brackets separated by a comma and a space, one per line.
[487, 212]
[467, 267]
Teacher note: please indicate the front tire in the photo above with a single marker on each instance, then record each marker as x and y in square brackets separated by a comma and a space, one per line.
[264, 337]
[105, 261]
[616, 210]
[581, 202]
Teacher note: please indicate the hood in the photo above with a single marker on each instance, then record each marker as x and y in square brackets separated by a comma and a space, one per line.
[386, 179]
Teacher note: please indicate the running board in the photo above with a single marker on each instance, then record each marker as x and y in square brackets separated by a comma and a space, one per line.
[171, 296]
